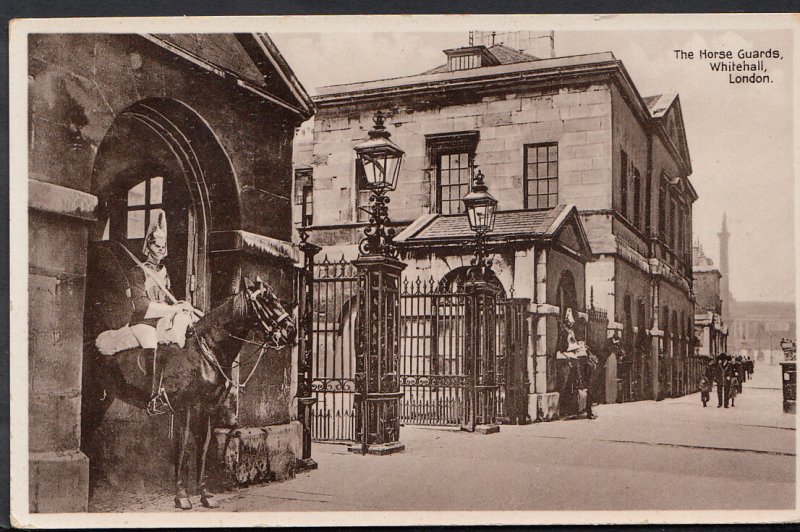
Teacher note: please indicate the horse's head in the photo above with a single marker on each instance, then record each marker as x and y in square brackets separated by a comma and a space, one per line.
[269, 314]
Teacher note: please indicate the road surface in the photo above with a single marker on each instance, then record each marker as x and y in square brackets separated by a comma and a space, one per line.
[664, 455]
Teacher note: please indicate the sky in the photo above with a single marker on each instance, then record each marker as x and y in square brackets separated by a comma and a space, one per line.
[739, 135]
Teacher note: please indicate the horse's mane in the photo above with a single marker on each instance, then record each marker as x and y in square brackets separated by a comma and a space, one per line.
[232, 308]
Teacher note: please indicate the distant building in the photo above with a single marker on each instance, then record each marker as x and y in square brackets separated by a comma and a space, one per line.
[547, 133]
[711, 331]
[756, 328]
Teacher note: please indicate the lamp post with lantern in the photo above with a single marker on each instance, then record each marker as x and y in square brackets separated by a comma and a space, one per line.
[377, 379]
[480, 315]
[481, 207]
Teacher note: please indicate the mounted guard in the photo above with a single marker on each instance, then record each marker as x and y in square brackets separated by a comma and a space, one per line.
[131, 312]
[158, 317]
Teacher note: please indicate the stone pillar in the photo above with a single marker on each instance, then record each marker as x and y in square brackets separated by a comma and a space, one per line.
[58, 238]
[377, 398]
[541, 322]
[542, 405]
[305, 401]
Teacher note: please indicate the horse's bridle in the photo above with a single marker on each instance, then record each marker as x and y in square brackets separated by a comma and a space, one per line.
[268, 319]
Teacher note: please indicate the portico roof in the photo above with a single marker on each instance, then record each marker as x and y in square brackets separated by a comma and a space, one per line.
[523, 226]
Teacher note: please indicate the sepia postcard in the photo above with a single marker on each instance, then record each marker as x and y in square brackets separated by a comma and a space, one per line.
[403, 270]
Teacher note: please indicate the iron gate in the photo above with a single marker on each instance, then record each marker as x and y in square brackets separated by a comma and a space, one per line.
[433, 376]
[437, 326]
[437, 322]
[335, 307]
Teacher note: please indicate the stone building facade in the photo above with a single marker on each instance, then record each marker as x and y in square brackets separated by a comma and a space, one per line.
[711, 330]
[203, 124]
[544, 132]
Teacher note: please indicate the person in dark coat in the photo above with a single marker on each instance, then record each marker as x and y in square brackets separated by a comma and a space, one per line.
[722, 376]
[738, 371]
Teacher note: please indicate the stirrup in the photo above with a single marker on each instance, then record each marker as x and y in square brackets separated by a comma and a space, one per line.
[159, 404]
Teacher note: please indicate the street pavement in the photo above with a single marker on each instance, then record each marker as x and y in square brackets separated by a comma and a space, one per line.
[665, 455]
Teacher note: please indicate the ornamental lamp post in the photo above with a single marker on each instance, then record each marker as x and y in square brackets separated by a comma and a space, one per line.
[481, 207]
[480, 313]
[378, 165]
[380, 158]
[377, 397]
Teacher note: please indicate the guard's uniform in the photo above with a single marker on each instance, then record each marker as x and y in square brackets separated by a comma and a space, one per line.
[154, 331]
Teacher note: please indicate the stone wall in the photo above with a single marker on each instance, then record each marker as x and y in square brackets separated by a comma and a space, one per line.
[79, 86]
[578, 118]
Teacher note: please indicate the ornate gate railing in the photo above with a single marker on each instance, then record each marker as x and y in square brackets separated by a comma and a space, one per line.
[436, 324]
[438, 357]
[335, 309]
[433, 373]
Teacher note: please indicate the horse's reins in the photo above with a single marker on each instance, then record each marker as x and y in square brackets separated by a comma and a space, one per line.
[212, 359]
[208, 354]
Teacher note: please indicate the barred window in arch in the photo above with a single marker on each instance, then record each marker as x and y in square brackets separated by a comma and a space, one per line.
[144, 204]
[541, 175]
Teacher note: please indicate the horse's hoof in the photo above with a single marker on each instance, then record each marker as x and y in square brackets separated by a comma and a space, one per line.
[183, 503]
[209, 502]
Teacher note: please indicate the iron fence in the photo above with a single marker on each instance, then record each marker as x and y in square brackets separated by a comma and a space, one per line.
[438, 321]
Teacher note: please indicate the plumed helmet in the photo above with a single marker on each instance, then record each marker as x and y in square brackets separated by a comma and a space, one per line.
[156, 233]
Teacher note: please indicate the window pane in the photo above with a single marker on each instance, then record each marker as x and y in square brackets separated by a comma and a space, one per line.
[531, 154]
[552, 170]
[136, 194]
[552, 153]
[532, 171]
[542, 153]
[542, 170]
[553, 188]
[156, 189]
[542, 187]
[136, 224]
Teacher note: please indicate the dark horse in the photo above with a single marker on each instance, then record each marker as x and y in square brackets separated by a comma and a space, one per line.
[196, 378]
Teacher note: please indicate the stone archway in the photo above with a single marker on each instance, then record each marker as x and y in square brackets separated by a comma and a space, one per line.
[166, 138]
[157, 155]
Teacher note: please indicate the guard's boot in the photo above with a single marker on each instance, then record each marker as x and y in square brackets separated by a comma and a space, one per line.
[158, 403]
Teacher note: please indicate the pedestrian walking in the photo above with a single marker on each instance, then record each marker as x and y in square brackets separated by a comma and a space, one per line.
[722, 376]
[738, 371]
[705, 389]
[734, 390]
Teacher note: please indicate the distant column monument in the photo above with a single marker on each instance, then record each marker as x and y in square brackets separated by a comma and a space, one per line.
[724, 237]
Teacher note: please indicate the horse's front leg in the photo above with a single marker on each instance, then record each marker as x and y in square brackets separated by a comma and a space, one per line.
[181, 442]
[203, 441]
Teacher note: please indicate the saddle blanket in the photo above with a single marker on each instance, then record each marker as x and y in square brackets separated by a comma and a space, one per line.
[169, 330]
